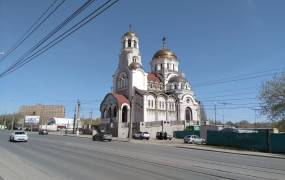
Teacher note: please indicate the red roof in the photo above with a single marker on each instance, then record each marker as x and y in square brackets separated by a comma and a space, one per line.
[121, 99]
[153, 77]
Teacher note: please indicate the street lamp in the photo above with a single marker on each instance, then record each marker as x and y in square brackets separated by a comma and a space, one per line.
[131, 120]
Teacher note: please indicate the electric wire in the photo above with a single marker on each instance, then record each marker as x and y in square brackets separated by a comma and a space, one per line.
[61, 37]
[33, 28]
[49, 35]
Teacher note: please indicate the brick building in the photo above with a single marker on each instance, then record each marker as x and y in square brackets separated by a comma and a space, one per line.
[44, 111]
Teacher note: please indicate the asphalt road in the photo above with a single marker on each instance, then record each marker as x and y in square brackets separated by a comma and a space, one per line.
[62, 157]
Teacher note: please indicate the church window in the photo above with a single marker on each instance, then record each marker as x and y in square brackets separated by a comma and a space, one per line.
[151, 103]
[109, 113]
[148, 103]
[135, 43]
[188, 114]
[168, 66]
[135, 59]
[125, 114]
[129, 43]
[115, 112]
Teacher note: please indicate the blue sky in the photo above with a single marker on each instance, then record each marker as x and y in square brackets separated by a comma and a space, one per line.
[214, 40]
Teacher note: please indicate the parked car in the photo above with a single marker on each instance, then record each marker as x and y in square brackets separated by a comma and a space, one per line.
[141, 135]
[194, 139]
[163, 135]
[102, 136]
[18, 136]
[43, 132]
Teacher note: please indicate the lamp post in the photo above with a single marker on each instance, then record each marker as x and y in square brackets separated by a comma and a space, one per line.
[131, 120]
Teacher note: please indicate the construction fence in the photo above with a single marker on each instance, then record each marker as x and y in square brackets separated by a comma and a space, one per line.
[261, 141]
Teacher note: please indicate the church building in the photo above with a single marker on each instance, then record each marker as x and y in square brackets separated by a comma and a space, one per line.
[160, 100]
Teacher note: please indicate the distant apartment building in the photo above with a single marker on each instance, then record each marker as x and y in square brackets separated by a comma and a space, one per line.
[44, 111]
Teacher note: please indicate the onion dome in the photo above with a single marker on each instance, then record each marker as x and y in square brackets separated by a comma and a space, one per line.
[135, 65]
[130, 33]
[164, 53]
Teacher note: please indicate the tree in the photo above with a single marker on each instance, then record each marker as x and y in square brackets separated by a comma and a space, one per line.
[272, 96]
[280, 125]
[244, 124]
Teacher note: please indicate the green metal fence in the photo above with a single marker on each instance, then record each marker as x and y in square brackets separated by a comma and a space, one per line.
[182, 134]
[277, 143]
[248, 141]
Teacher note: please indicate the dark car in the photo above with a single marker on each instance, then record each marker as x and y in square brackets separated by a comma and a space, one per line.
[102, 136]
[163, 136]
[43, 132]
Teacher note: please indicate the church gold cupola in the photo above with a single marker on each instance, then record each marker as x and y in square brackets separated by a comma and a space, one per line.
[164, 60]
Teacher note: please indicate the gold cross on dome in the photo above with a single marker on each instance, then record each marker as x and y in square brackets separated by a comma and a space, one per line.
[164, 42]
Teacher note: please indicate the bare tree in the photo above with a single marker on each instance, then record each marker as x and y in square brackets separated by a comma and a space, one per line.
[272, 96]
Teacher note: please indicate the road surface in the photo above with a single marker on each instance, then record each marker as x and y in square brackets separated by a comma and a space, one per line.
[62, 157]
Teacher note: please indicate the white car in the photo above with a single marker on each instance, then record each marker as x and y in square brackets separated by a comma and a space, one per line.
[141, 135]
[194, 139]
[19, 136]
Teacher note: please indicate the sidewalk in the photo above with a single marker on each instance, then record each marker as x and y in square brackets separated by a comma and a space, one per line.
[178, 143]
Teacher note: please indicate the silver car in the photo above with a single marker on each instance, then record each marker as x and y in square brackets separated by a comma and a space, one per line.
[17, 136]
[194, 139]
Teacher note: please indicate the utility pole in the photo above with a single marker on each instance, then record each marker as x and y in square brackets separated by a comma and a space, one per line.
[131, 120]
[4, 120]
[77, 117]
[91, 113]
[215, 107]
[255, 116]
[74, 119]
[13, 121]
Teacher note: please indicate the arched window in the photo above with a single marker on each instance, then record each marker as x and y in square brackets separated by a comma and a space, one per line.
[129, 43]
[105, 113]
[109, 113]
[188, 114]
[134, 59]
[135, 43]
[125, 114]
[115, 112]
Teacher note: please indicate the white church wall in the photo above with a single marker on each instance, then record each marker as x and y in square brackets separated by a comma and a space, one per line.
[139, 78]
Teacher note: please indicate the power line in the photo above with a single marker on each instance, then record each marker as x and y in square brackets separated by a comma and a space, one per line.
[240, 76]
[48, 36]
[226, 95]
[234, 80]
[235, 99]
[32, 28]
[61, 37]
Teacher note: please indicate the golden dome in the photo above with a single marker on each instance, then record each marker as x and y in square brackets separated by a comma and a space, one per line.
[130, 34]
[164, 53]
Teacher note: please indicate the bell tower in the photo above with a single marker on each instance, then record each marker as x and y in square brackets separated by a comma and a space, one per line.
[130, 51]
[129, 73]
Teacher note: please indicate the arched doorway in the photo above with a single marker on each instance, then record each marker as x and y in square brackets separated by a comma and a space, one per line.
[115, 112]
[188, 114]
[125, 114]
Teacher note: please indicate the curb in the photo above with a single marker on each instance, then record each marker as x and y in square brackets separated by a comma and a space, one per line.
[228, 151]
[276, 156]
